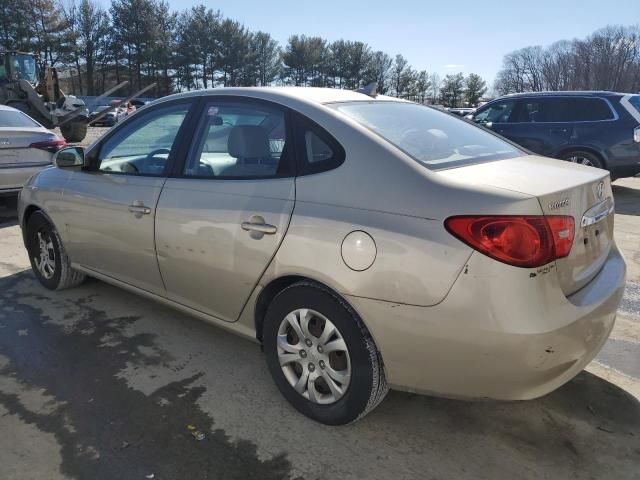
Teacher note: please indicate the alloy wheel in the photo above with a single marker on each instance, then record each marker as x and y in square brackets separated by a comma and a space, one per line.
[581, 160]
[45, 260]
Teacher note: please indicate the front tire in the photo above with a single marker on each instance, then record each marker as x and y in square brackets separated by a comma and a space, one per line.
[49, 260]
[74, 131]
[321, 356]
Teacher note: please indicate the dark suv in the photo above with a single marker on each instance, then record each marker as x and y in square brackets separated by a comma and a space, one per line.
[601, 129]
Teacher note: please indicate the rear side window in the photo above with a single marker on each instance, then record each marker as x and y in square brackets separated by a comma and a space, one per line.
[542, 110]
[240, 140]
[555, 110]
[9, 118]
[590, 110]
[319, 150]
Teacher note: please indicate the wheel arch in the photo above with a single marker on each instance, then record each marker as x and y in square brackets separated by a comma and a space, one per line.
[277, 285]
[28, 212]
[580, 148]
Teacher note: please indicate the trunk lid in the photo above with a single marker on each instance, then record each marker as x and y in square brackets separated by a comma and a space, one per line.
[562, 188]
[15, 142]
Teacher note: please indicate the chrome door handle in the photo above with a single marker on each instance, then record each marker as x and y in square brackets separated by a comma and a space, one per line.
[139, 209]
[264, 228]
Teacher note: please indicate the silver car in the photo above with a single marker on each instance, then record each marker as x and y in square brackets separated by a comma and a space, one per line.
[367, 242]
[26, 147]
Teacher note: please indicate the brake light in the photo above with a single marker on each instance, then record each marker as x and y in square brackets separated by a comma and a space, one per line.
[523, 241]
[51, 146]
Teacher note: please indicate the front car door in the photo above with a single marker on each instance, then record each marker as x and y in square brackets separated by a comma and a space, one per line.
[497, 116]
[223, 215]
[110, 207]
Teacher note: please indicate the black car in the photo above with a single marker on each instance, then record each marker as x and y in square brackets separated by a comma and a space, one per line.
[601, 129]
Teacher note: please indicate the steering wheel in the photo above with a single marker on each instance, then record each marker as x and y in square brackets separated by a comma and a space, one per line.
[157, 151]
[149, 158]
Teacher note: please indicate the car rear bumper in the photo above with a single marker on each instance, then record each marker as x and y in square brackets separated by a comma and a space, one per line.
[13, 178]
[499, 334]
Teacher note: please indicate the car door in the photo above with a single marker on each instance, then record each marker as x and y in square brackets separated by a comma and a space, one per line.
[110, 207]
[497, 116]
[223, 215]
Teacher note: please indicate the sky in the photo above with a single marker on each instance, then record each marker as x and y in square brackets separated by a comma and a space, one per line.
[444, 36]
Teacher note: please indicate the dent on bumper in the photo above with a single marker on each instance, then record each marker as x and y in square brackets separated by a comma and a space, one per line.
[499, 334]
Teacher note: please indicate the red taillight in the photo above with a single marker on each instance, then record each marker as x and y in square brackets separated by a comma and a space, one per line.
[52, 145]
[523, 241]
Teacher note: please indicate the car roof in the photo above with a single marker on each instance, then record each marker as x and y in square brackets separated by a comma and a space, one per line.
[9, 109]
[571, 93]
[309, 94]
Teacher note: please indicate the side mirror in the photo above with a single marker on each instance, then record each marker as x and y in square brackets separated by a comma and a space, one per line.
[69, 157]
[469, 117]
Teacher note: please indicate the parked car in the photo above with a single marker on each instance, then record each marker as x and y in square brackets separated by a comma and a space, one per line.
[26, 147]
[109, 119]
[599, 129]
[367, 243]
[126, 108]
[462, 111]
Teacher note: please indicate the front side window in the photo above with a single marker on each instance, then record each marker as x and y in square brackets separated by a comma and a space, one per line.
[143, 145]
[497, 112]
[240, 140]
[433, 138]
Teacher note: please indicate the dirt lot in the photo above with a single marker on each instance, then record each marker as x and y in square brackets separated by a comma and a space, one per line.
[96, 383]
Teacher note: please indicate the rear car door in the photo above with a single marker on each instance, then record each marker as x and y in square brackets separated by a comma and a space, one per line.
[109, 208]
[542, 124]
[223, 215]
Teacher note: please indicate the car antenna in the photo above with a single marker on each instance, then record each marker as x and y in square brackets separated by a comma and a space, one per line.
[369, 89]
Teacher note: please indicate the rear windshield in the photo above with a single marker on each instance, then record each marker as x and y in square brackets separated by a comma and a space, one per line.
[435, 139]
[10, 118]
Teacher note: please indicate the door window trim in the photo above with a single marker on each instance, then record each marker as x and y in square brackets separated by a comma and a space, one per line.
[197, 128]
[180, 139]
[537, 97]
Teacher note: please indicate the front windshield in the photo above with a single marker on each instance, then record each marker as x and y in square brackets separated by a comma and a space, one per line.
[25, 67]
[435, 139]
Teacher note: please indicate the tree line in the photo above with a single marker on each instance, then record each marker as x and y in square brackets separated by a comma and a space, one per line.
[144, 42]
[609, 59]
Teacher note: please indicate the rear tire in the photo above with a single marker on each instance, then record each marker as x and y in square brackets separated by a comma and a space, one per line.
[49, 260]
[74, 131]
[336, 385]
[584, 158]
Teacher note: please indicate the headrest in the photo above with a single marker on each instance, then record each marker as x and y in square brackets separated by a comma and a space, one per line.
[248, 141]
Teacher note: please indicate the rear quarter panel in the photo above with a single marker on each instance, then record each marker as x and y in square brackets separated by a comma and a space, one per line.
[399, 203]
